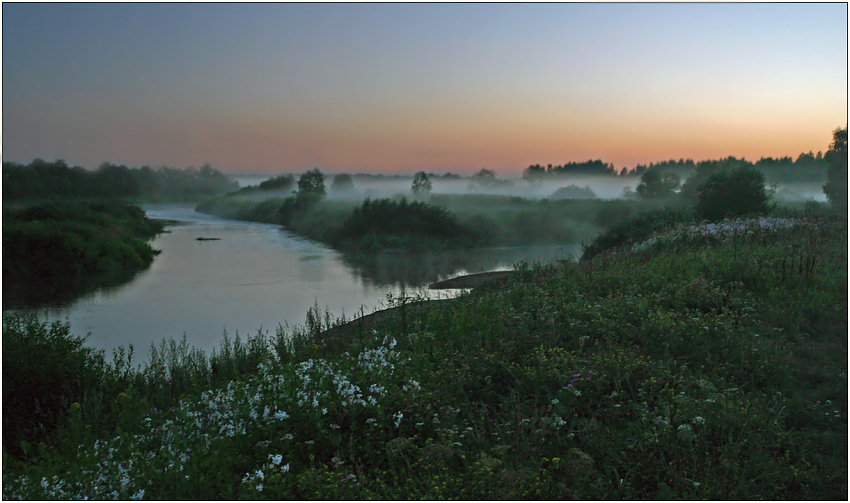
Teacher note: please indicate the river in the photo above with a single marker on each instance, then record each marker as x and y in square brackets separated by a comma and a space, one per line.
[253, 276]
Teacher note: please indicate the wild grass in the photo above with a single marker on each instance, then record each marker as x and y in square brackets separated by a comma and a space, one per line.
[715, 369]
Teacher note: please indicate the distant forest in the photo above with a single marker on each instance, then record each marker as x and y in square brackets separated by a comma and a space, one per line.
[806, 168]
[50, 180]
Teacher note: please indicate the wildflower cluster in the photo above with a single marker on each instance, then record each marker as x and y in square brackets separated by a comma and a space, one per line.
[721, 232]
[173, 439]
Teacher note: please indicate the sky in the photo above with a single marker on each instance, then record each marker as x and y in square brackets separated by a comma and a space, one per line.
[399, 88]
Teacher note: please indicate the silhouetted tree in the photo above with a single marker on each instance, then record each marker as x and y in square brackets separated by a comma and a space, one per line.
[731, 193]
[421, 185]
[280, 182]
[655, 185]
[534, 174]
[704, 171]
[311, 184]
[836, 174]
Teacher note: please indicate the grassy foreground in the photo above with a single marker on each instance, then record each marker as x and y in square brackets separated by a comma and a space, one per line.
[706, 362]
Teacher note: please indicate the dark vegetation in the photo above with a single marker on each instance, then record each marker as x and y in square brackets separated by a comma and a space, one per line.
[712, 370]
[56, 180]
[55, 251]
[836, 184]
[573, 191]
[684, 357]
[385, 223]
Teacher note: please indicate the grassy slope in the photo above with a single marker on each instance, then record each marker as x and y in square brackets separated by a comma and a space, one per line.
[690, 371]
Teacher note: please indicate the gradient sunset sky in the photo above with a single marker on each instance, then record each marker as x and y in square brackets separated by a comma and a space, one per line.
[271, 88]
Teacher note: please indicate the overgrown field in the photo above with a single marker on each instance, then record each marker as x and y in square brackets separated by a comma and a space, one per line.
[59, 250]
[710, 363]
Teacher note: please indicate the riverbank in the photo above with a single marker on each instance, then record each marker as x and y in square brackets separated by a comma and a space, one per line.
[54, 252]
[688, 368]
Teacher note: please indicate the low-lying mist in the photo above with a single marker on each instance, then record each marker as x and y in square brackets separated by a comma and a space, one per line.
[602, 187]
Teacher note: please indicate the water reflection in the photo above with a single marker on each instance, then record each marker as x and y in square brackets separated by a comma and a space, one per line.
[257, 276]
[409, 269]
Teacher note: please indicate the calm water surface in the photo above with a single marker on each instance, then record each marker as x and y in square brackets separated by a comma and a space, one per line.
[256, 276]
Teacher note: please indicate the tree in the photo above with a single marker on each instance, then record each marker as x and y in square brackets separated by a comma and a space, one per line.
[655, 185]
[731, 193]
[280, 182]
[836, 173]
[704, 170]
[311, 184]
[534, 174]
[421, 185]
[343, 183]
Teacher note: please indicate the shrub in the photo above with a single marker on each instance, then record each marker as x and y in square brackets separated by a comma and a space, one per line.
[45, 370]
[389, 223]
[732, 193]
[574, 192]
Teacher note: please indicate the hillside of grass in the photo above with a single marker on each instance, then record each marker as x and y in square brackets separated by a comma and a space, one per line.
[706, 361]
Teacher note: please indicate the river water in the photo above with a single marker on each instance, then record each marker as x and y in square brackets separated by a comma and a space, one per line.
[256, 276]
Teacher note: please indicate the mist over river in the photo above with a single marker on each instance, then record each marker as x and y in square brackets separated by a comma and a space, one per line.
[252, 276]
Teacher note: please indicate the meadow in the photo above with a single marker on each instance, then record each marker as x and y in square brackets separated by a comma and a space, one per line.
[694, 361]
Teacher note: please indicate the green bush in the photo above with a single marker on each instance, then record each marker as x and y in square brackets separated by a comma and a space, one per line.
[46, 369]
[56, 251]
[394, 223]
[732, 193]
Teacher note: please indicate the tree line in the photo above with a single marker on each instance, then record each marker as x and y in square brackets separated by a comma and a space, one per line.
[48, 180]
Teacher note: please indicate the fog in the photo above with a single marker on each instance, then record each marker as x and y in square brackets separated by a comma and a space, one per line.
[604, 187]
[378, 186]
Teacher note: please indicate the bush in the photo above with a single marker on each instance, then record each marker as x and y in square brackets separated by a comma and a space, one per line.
[54, 252]
[45, 370]
[574, 192]
[732, 193]
[389, 223]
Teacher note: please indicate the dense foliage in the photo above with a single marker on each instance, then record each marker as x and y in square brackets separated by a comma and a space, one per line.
[45, 370]
[421, 185]
[487, 219]
[54, 180]
[732, 193]
[55, 251]
[387, 223]
[657, 185]
[836, 185]
[280, 182]
[710, 366]
[311, 184]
